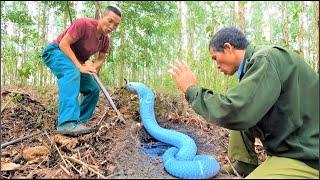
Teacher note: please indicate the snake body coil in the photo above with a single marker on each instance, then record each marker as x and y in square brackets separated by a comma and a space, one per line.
[181, 160]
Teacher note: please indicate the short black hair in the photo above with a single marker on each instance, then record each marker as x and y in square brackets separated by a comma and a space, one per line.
[230, 35]
[113, 9]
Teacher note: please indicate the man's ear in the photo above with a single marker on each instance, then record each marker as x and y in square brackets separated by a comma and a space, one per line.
[227, 47]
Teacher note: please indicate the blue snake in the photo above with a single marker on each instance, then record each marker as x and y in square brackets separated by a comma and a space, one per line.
[181, 160]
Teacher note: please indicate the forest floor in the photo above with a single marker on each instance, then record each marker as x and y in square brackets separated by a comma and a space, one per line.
[115, 150]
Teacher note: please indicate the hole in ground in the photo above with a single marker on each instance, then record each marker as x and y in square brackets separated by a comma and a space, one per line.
[151, 146]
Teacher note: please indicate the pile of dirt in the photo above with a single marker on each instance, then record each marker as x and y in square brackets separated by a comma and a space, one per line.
[112, 151]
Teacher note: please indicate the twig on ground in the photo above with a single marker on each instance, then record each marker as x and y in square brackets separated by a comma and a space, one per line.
[19, 139]
[55, 145]
[112, 175]
[74, 167]
[236, 172]
[86, 165]
[65, 170]
[102, 117]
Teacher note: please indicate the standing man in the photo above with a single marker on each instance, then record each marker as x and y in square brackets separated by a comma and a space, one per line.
[67, 56]
[277, 101]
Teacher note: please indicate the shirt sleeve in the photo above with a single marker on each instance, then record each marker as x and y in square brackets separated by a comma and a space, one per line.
[77, 29]
[244, 105]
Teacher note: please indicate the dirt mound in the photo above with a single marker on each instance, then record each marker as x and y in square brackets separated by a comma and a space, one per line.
[113, 151]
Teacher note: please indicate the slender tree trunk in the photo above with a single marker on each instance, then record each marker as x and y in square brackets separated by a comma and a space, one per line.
[98, 9]
[242, 21]
[3, 74]
[269, 22]
[43, 40]
[121, 65]
[13, 68]
[191, 28]
[316, 39]
[3, 69]
[38, 48]
[233, 12]
[68, 10]
[300, 28]
[284, 24]
[20, 58]
[181, 29]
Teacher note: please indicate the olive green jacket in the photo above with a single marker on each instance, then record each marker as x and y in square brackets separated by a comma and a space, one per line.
[277, 100]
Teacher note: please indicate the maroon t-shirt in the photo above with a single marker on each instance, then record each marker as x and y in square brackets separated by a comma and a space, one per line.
[84, 32]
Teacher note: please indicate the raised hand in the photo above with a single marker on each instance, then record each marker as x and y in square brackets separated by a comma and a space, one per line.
[183, 75]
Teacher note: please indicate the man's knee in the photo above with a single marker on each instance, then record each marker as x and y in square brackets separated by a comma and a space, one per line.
[95, 88]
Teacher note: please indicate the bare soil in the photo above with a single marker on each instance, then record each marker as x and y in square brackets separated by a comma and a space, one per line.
[113, 151]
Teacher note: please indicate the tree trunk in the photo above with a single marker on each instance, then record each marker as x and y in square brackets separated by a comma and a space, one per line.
[284, 24]
[121, 64]
[190, 38]
[242, 21]
[181, 29]
[3, 74]
[233, 14]
[43, 40]
[300, 28]
[269, 22]
[68, 10]
[316, 39]
[98, 9]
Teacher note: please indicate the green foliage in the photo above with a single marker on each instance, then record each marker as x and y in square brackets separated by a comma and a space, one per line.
[18, 98]
[27, 69]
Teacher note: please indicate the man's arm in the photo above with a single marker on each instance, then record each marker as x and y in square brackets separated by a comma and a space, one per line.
[99, 60]
[65, 46]
[244, 105]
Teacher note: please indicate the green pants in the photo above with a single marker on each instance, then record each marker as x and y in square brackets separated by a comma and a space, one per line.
[241, 148]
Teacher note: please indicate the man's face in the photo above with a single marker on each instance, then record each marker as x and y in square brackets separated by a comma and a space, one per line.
[226, 60]
[109, 23]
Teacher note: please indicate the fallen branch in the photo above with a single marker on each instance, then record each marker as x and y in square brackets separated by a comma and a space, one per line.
[65, 170]
[102, 118]
[74, 167]
[236, 172]
[86, 165]
[19, 139]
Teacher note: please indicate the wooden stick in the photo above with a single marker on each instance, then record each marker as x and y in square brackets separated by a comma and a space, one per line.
[102, 117]
[109, 99]
[80, 162]
[19, 139]
[74, 167]
[65, 170]
[86, 165]
[233, 167]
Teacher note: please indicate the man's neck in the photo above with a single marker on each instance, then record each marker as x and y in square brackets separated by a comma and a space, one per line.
[240, 55]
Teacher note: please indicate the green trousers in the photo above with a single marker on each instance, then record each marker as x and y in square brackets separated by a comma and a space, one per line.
[241, 148]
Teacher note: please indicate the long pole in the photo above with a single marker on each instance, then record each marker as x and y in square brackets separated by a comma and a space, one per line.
[105, 92]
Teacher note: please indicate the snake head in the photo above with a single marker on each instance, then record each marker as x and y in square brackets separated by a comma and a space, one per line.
[139, 88]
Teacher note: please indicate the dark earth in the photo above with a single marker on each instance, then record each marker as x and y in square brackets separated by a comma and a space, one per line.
[113, 151]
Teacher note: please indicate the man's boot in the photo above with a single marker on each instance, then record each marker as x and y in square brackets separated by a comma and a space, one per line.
[242, 168]
[73, 129]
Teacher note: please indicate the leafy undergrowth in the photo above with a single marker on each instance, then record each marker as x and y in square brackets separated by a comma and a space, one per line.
[112, 151]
